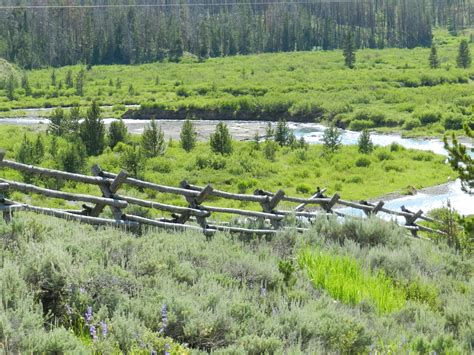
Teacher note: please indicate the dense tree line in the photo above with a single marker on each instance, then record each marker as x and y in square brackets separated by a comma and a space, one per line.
[63, 36]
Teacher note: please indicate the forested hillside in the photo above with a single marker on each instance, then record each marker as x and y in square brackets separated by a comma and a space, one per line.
[57, 36]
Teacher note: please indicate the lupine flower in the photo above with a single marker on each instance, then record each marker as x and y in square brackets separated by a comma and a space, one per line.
[88, 314]
[153, 352]
[93, 332]
[103, 327]
[167, 347]
[263, 291]
[164, 316]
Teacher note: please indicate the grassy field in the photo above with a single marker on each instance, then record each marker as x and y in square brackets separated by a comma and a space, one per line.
[390, 89]
[71, 288]
[298, 172]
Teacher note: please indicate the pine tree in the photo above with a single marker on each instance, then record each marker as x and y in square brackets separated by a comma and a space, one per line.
[25, 84]
[331, 140]
[132, 160]
[460, 160]
[92, 130]
[38, 150]
[188, 136]
[221, 140]
[153, 140]
[53, 78]
[434, 61]
[118, 132]
[282, 133]
[69, 81]
[73, 121]
[57, 122]
[464, 56]
[364, 143]
[11, 85]
[269, 131]
[349, 50]
[72, 157]
[80, 78]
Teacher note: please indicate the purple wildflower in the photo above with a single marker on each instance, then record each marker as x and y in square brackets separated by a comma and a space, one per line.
[167, 347]
[93, 332]
[263, 291]
[103, 327]
[153, 352]
[164, 317]
[88, 314]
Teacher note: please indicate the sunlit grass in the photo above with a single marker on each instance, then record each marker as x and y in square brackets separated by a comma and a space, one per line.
[345, 280]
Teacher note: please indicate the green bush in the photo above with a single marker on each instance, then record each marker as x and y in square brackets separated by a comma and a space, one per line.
[303, 188]
[453, 122]
[359, 125]
[383, 155]
[411, 124]
[362, 162]
[428, 117]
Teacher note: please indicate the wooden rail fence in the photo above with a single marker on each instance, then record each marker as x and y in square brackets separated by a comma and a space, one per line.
[194, 217]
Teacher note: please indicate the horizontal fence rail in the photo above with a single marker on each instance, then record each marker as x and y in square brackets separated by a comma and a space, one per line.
[270, 218]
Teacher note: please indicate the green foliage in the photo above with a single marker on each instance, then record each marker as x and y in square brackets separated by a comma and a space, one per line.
[153, 140]
[460, 160]
[188, 136]
[464, 59]
[349, 49]
[343, 278]
[118, 132]
[11, 85]
[449, 221]
[80, 79]
[282, 133]
[227, 295]
[332, 138]
[221, 140]
[92, 130]
[433, 59]
[132, 160]
[363, 162]
[72, 157]
[269, 150]
[364, 143]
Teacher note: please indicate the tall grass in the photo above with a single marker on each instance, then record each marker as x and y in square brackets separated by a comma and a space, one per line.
[344, 279]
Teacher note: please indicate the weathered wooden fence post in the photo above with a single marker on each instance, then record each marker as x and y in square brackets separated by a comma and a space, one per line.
[376, 208]
[108, 190]
[410, 220]
[270, 204]
[327, 206]
[194, 202]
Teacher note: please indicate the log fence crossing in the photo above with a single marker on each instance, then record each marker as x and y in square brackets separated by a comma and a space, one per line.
[195, 216]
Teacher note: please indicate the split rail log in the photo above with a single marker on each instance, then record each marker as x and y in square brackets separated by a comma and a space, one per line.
[161, 206]
[51, 172]
[167, 225]
[257, 214]
[64, 195]
[74, 217]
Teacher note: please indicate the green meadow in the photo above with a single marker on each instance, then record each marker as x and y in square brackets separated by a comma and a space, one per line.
[389, 89]
[298, 172]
